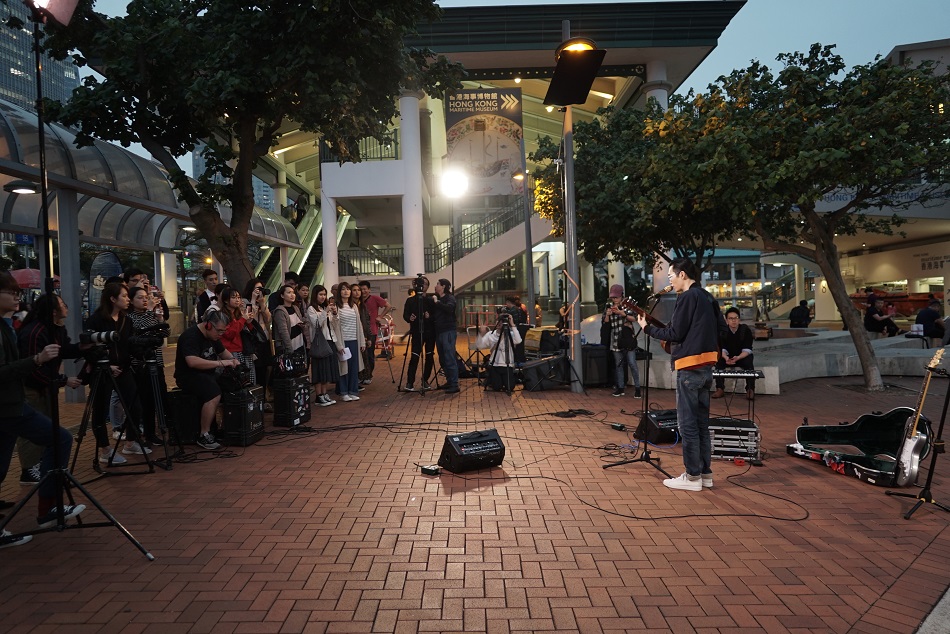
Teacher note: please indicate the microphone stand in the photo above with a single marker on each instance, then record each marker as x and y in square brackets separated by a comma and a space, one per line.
[645, 455]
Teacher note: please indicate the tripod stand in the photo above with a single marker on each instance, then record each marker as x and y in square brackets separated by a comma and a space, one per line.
[503, 330]
[157, 391]
[59, 478]
[101, 375]
[645, 455]
[416, 347]
[925, 495]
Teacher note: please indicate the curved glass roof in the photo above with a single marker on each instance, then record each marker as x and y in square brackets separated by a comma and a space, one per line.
[121, 198]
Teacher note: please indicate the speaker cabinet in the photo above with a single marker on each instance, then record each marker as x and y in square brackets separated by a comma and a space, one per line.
[471, 451]
[546, 374]
[658, 427]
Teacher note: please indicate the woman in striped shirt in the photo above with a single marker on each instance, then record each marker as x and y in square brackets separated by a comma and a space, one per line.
[352, 330]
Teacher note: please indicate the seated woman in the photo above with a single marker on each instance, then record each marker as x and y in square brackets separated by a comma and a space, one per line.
[502, 357]
[876, 321]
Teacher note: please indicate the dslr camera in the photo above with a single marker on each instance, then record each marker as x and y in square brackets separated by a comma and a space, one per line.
[98, 338]
[419, 284]
[149, 338]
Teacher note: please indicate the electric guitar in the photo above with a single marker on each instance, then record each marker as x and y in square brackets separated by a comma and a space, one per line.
[908, 460]
[629, 305]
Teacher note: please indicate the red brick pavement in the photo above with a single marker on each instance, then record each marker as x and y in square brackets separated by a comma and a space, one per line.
[333, 529]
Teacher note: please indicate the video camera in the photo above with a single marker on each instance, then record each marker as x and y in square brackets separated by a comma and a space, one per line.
[98, 338]
[150, 337]
[419, 284]
[235, 378]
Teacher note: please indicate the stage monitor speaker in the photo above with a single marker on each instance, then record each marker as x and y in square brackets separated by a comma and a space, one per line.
[546, 374]
[596, 360]
[471, 451]
[658, 427]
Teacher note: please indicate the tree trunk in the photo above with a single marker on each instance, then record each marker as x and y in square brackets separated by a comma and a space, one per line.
[826, 255]
[227, 245]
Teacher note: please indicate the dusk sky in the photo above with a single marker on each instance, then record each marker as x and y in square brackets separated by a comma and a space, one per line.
[762, 29]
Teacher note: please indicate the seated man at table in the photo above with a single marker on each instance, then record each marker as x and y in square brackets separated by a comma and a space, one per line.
[736, 347]
[876, 321]
[931, 320]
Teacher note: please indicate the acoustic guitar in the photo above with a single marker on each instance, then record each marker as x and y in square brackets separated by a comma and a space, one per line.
[629, 306]
[914, 443]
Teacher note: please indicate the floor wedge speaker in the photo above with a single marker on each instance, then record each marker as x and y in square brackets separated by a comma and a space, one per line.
[658, 427]
[546, 374]
[471, 451]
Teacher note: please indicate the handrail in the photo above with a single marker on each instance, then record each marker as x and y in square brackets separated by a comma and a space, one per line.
[474, 236]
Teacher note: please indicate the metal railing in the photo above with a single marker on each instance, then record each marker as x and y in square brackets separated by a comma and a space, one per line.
[474, 236]
[370, 149]
[371, 261]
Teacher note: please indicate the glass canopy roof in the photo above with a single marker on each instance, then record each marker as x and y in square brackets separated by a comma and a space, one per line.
[122, 199]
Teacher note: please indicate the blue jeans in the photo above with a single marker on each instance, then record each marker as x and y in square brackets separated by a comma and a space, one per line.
[445, 344]
[692, 414]
[349, 383]
[631, 357]
[38, 429]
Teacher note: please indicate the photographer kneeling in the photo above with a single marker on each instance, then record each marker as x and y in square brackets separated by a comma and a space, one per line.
[150, 331]
[502, 340]
[200, 353]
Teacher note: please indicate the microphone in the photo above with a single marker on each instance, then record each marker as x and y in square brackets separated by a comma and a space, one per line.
[665, 289]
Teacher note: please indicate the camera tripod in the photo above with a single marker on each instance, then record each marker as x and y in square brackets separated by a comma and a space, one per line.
[509, 352]
[102, 379]
[416, 346]
[157, 391]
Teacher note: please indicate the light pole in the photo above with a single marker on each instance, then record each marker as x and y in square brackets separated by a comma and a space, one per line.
[454, 185]
[523, 176]
[577, 63]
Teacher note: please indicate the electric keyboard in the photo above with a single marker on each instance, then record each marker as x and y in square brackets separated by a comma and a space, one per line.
[738, 373]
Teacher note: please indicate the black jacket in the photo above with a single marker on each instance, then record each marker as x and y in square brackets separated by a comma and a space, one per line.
[35, 336]
[694, 329]
[443, 313]
[13, 370]
[414, 307]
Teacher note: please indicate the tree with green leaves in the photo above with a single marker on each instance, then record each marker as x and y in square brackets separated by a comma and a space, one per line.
[231, 73]
[627, 208]
[814, 151]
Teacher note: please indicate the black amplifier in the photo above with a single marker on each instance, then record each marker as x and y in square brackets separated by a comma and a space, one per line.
[471, 451]
[658, 426]
[242, 416]
[291, 401]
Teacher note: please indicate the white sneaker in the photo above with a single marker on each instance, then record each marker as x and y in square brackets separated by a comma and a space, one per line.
[354, 397]
[346, 398]
[116, 457]
[685, 483]
[15, 542]
[707, 481]
[135, 450]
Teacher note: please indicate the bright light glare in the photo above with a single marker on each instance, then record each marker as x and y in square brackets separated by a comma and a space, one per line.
[454, 182]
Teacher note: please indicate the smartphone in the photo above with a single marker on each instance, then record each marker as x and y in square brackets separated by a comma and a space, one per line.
[154, 291]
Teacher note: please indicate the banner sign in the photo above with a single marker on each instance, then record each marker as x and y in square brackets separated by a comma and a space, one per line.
[104, 266]
[483, 134]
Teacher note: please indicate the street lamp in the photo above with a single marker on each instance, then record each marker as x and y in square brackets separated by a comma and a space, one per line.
[23, 188]
[577, 63]
[454, 185]
[521, 175]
